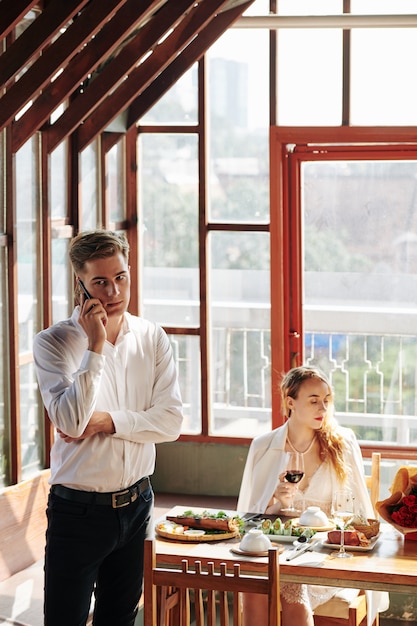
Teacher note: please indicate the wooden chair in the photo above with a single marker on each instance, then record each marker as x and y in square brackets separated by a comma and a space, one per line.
[348, 607]
[373, 481]
[169, 593]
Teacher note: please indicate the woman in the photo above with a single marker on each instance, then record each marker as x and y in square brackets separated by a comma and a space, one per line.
[332, 460]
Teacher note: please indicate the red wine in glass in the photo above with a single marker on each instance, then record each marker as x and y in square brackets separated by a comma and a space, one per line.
[293, 474]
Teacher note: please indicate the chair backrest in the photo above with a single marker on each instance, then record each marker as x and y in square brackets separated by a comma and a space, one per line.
[171, 593]
[373, 481]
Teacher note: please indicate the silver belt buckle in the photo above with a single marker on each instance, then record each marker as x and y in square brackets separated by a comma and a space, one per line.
[115, 496]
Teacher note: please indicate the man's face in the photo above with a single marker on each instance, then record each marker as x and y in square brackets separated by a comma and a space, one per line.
[109, 280]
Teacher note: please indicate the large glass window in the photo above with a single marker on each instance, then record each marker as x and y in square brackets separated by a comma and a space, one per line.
[4, 382]
[309, 68]
[115, 187]
[169, 197]
[178, 105]
[238, 131]
[240, 333]
[204, 232]
[178, 249]
[61, 232]
[170, 253]
[360, 291]
[28, 260]
[4, 377]
[383, 91]
[90, 194]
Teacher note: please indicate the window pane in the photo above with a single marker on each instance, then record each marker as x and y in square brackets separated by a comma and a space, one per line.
[58, 168]
[310, 81]
[360, 228]
[169, 198]
[309, 68]
[240, 333]
[383, 7]
[186, 351]
[31, 422]
[115, 185]
[28, 272]
[4, 378]
[310, 7]
[178, 105]
[2, 180]
[239, 126]
[259, 7]
[61, 280]
[384, 91]
[89, 188]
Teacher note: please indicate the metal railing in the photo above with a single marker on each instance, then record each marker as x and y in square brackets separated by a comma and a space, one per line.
[374, 378]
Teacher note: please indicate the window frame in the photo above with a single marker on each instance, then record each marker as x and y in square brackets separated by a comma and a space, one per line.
[286, 260]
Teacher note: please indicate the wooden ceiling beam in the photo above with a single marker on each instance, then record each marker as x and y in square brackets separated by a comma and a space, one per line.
[12, 12]
[57, 56]
[87, 60]
[145, 73]
[37, 36]
[116, 71]
[184, 61]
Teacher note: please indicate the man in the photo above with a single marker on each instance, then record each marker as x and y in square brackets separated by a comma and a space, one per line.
[109, 384]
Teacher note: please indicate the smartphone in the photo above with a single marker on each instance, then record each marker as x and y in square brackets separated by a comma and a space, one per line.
[84, 288]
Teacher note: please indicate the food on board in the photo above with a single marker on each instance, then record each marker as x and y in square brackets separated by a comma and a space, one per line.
[207, 520]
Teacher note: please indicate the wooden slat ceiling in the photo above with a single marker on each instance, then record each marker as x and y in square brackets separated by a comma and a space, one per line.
[103, 59]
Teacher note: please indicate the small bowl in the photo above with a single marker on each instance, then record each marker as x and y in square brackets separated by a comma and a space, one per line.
[255, 541]
[194, 532]
[313, 516]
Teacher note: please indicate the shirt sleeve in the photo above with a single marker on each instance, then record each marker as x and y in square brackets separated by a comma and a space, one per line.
[69, 396]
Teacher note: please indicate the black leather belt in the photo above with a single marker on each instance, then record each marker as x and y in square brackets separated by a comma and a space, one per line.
[115, 500]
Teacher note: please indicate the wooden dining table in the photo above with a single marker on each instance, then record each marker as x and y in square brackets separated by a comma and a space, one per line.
[390, 566]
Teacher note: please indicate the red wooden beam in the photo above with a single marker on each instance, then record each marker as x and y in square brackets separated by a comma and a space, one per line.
[12, 11]
[87, 60]
[56, 57]
[116, 71]
[36, 37]
[143, 75]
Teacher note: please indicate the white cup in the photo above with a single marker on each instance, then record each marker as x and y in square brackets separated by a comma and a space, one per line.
[255, 541]
[314, 516]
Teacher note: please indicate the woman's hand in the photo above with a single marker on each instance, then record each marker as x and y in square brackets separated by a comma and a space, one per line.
[283, 494]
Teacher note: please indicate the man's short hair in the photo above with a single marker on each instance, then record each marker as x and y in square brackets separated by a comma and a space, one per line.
[96, 244]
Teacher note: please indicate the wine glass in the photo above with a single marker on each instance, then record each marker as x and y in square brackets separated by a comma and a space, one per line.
[294, 471]
[342, 511]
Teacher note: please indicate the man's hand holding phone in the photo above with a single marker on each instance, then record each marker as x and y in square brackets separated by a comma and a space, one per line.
[93, 319]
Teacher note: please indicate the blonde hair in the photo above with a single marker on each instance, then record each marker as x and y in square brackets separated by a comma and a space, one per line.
[96, 244]
[330, 441]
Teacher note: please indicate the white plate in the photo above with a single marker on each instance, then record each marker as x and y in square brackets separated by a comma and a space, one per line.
[285, 538]
[330, 526]
[336, 546]
[237, 550]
